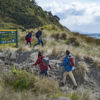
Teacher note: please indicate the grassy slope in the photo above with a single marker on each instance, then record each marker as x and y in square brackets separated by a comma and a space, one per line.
[14, 14]
[55, 43]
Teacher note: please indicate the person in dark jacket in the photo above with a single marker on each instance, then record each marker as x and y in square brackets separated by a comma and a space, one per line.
[68, 69]
[43, 67]
[29, 38]
[39, 38]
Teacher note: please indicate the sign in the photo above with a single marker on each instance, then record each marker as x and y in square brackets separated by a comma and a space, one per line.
[8, 36]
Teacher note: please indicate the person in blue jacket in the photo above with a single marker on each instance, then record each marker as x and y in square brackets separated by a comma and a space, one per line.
[39, 38]
[68, 69]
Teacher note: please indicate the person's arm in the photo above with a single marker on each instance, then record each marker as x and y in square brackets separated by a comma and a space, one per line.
[37, 62]
[62, 64]
[50, 67]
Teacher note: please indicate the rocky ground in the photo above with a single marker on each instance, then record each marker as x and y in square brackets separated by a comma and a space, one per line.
[90, 81]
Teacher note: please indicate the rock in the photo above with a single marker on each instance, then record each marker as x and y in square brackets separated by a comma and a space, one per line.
[65, 88]
[13, 56]
[61, 98]
[2, 55]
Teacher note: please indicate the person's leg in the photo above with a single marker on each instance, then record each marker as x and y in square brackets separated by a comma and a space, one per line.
[37, 43]
[41, 72]
[26, 42]
[42, 42]
[64, 77]
[46, 72]
[30, 43]
[72, 78]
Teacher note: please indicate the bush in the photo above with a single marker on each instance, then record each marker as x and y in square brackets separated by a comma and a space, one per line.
[82, 69]
[73, 41]
[20, 80]
[80, 96]
[63, 36]
[46, 86]
[56, 36]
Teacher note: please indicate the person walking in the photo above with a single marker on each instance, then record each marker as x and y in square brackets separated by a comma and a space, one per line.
[69, 65]
[43, 63]
[39, 38]
[29, 38]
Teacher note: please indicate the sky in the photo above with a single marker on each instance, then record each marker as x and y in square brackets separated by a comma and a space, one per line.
[77, 15]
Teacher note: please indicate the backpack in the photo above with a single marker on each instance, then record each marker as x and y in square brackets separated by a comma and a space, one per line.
[26, 37]
[45, 60]
[72, 61]
[38, 34]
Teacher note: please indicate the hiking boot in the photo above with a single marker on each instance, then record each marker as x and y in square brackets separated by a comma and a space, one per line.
[74, 87]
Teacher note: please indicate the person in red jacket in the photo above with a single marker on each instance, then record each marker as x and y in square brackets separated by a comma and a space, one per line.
[29, 38]
[43, 67]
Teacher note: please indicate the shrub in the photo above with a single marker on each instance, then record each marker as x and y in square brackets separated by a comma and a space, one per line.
[63, 36]
[73, 41]
[80, 96]
[82, 69]
[46, 86]
[19, 79]
[56, 36]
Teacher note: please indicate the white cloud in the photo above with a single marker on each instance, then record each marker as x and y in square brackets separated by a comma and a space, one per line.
[73, 13]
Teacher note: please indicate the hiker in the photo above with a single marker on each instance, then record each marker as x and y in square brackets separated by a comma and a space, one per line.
[43, 63]
[69, 65]
[39, 38]
[29, 38]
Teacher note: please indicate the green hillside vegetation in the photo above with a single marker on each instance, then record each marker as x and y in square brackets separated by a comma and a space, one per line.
[20, 84]
[26, 13]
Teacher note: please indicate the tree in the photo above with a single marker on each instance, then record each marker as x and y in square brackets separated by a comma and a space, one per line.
[56, 17]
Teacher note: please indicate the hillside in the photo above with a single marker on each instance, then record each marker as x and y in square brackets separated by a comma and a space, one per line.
[19, 80]
[24, 13]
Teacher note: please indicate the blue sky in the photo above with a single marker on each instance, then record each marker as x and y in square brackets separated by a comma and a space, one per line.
[77, 15]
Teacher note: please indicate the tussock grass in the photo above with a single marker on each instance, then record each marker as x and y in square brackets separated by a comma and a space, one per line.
[21, 80]
[96, 63]
[59, 36]
[87, 39]
[21, 85]
[80, 94]
[9, 94]
[46, 85]
[82, 68]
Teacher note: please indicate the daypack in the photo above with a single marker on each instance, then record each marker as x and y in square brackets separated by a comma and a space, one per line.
[69, 61]
[38, 34]
[29, 35]
[45, 60]
[26, 37]
[72, 61]
[66, 62]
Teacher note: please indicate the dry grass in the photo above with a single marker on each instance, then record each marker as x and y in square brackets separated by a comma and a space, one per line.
[40, 87]
[8, 94]
[87, 39]
[96, 63]
[79, 94]
[81, 68]
[82, 94]
[46, 85]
